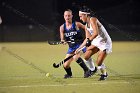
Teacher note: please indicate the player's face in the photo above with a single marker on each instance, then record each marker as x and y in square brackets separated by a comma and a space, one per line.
[68, 16]
[83, 17]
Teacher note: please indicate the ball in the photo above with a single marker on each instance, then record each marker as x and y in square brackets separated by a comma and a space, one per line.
[48, 74]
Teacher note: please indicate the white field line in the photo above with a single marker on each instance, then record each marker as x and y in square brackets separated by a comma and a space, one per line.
[60, 85]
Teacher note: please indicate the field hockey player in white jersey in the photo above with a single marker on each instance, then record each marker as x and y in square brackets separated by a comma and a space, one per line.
[97, 40]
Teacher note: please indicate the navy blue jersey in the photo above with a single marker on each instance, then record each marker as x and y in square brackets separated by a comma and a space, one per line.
[73, 35]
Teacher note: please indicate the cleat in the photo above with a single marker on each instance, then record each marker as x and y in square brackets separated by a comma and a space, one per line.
[87, 74]
[93, 72]
[103, 77]
[66, 76]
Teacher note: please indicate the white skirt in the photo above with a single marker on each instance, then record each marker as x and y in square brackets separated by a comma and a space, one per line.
[102, 44]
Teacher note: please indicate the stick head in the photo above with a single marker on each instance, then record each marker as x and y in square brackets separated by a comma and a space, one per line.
[55, 66]
[54, 42]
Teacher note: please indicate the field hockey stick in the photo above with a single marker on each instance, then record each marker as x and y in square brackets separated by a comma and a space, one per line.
[54, 42]
[59, 42]
[66, 59]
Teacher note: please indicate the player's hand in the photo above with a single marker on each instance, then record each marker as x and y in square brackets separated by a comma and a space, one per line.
[76, 51]
[88, 42]
[63, 42]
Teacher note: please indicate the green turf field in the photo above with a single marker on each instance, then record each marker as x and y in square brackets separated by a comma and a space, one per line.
[23, 67]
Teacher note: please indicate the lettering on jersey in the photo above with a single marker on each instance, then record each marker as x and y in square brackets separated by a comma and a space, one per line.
[70, 34]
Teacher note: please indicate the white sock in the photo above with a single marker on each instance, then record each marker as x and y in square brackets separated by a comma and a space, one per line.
[90, 64]
[102, 68]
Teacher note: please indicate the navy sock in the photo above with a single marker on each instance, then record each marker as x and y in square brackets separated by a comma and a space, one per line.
[80, 61]
[68, 70]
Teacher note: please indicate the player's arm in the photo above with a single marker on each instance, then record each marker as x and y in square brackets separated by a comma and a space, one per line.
[80, 25]
[62, 38]
[94, 25]
[85, 41]
[88, 35]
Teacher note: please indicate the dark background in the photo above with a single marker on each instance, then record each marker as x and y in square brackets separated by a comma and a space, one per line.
[39, 20]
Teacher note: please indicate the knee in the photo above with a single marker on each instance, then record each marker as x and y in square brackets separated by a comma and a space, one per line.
[76, 57]
[87, 55]
[65, 65]
[86, 58]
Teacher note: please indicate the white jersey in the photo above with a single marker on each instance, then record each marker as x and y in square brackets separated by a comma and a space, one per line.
[103, 40]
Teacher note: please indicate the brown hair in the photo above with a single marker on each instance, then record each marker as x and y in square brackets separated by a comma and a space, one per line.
[68, 10]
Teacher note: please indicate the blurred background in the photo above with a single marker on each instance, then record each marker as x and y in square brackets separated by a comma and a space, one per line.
[35, 21]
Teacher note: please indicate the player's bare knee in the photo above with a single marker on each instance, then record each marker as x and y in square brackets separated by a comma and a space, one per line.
[87, 55]
[86, 58]
[66, 65]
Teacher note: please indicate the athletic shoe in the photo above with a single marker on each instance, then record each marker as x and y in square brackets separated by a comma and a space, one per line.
[103, 77]
[87, 74]
[67, 76]
[93, 72]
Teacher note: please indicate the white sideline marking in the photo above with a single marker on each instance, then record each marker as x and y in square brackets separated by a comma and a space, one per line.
[60, 85]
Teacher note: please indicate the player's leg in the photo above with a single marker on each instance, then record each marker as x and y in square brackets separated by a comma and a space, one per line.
[91, 51]
[101, 66]
[67, 67]
[82, 64]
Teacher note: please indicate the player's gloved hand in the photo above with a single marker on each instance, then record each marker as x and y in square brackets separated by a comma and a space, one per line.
[88, 42]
